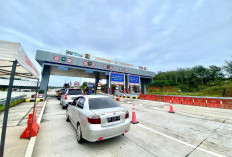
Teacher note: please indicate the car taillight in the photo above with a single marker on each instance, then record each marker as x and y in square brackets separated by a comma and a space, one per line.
[127, 115]
[66, 96]
[94, 119]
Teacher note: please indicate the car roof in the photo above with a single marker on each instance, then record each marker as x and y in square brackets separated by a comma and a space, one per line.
[73, 88]
[96, 96]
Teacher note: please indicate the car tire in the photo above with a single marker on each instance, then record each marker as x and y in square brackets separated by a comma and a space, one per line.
[67, 118]
[79, 134]
[63, 107]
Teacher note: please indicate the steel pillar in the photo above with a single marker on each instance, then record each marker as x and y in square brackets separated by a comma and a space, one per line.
[7, 105]
[45, 79]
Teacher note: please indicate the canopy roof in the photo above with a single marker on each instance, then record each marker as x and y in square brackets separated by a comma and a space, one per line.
[11, 51]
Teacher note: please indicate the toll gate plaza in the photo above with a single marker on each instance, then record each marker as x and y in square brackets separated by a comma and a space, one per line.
[68, 65]
[186, 128]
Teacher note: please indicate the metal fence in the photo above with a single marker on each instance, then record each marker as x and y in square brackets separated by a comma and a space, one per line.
[3, 101]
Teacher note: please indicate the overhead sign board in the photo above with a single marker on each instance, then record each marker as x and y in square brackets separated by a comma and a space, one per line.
[117, 79]
[134, 80]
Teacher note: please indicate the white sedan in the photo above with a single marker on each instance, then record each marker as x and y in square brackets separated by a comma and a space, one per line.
[97, 117]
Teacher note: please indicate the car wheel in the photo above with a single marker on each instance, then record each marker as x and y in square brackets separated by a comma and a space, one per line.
[67, 117]
[79, 134]
[63, 107]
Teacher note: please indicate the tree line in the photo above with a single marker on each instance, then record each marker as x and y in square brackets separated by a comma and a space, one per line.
[189, 79]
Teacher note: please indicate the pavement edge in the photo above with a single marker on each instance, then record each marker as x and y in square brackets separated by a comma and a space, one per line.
[31, 144]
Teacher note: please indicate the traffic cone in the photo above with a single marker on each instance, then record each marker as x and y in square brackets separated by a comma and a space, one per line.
[118, 98]
[171, 108]
[134, 121]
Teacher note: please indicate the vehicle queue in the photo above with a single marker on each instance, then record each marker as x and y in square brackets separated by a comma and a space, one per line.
[94, 117]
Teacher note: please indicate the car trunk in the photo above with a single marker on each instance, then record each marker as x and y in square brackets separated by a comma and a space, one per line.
[72, 97]
[111, 116]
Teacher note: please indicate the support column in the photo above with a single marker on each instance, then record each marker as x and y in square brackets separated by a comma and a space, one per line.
[7, 105]
[128, 85]
[97, 79]
[143, 86]
[124, 84]
[109, 87]
[45, 79]
[107, 84]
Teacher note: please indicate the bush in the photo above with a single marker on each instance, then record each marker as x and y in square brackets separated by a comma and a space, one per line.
[41, 91]
[185, 88]
[13, 103]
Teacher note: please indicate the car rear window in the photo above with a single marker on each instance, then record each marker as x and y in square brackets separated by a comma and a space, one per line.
[74, 92]
[102, 103]
[61, 90]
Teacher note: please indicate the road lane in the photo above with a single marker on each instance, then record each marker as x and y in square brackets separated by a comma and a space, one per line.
[189, 124]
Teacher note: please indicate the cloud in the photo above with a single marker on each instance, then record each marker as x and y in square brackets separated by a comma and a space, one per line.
[157, 19]
[162, 35]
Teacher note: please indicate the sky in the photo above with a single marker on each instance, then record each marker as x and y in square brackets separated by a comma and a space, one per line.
[161, 35]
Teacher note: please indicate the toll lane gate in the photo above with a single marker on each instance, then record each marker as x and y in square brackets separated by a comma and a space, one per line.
[66, 65]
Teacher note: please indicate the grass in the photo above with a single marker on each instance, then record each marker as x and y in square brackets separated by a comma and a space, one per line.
[214, 89]
[13, 103]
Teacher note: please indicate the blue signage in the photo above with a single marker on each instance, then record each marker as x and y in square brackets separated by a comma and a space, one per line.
[133, 79]
[117, 78]
[89, 71]
[62, 68]
[90, 85]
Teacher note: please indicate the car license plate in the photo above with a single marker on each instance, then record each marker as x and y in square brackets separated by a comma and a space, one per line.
[73, 98]
[113, 119]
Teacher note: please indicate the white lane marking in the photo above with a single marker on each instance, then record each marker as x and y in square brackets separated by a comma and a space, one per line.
[41, 113]
[31, 144]
[30, 147]
[174, 139]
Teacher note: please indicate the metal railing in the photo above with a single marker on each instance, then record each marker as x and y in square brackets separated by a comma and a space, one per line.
[3, 101]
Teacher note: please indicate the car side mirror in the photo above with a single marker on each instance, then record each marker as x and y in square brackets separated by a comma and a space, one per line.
[73, 103]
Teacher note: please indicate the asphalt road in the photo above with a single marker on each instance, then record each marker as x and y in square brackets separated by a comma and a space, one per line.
[190, 131]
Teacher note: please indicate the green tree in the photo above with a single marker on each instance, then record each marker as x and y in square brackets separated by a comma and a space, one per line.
[228, 68]
[215, 73]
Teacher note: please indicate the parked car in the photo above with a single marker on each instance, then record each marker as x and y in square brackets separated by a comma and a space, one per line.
[59, 93]
[97, 117]
[69, 95]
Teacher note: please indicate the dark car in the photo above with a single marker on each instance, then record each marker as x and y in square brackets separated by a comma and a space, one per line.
[60, 92]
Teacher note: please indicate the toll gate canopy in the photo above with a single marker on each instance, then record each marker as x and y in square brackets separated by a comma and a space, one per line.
[13, 51]
[14, 63]
[68, 65]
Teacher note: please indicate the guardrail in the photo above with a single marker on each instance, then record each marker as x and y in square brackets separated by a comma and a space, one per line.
[214, 102]
[3, 101]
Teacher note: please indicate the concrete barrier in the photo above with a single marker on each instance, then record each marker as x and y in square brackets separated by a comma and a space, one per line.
[33, 100]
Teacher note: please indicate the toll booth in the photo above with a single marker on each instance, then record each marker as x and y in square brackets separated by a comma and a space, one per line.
[89, 89]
